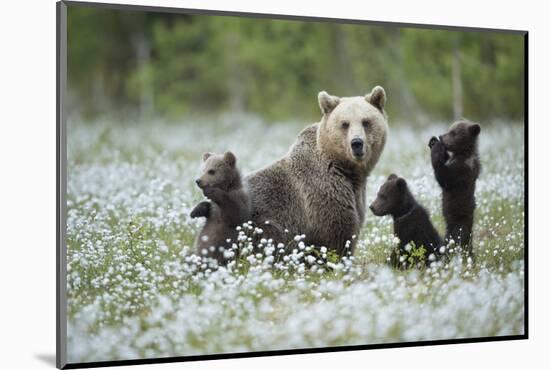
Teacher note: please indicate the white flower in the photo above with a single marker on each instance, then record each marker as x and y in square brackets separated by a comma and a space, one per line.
[163, 247]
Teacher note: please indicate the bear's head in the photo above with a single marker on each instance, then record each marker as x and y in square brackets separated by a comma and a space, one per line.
[461, 137]
[353, 130]
[219, 171]
[393, 198]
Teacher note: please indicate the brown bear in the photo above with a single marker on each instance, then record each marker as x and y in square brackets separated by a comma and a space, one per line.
[229, 207]
[455, 161]
[411, 221]
[318, 188]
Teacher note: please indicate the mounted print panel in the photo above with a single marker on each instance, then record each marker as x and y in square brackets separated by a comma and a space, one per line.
[235, 185]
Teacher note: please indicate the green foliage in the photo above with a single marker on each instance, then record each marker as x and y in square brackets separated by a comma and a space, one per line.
[416, 253]
[333, 257]
[172, 64]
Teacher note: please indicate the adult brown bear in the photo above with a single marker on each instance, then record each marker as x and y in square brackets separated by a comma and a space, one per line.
[318, 187]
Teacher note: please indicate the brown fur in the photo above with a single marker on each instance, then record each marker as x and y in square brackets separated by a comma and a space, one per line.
[456, 166]
[318, 188]
[229, 206]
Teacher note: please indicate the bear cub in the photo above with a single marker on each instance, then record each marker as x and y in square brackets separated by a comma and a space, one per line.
[411, 221]
[455, 161]
[229, 207]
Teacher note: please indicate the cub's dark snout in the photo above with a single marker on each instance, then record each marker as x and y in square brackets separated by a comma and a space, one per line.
[199, 183]
[373, 209]
[357, 147]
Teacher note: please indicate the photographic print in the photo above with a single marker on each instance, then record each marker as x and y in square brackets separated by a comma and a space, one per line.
[236, 184]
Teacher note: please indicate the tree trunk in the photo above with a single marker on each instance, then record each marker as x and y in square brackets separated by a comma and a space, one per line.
[235, 80]
[344, 69]
[142, 48]
[456, 72]
[408, 105]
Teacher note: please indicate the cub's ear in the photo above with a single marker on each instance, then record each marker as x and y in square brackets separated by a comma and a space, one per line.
[377, 97]
[392, 176]
[206, 155]
[401, 183]
[474, 129]
[230, 158]
[327, 102]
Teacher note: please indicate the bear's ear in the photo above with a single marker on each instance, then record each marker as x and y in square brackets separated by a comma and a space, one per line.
[474, 129]
[392, 176]
[230, 158]
[401, 183]
[206, 155]
[327, 102]
[377, 97]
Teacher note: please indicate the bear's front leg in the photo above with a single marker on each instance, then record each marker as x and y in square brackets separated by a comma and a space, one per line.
[439, 159]
[201, 210]
[432, 141]
[439, 153]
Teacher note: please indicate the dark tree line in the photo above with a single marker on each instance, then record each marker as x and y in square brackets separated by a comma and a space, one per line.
[169, 65]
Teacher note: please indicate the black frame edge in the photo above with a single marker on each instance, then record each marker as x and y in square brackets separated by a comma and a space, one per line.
[61, 185]
[526, 183]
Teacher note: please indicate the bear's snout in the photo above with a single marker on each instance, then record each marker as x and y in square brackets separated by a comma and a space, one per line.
[373, 209]
[357, 146]
[199, 183]
[442, 140]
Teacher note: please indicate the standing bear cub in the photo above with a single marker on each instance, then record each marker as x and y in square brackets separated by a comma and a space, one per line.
[411, 221]
[229, 207]
[455, 161]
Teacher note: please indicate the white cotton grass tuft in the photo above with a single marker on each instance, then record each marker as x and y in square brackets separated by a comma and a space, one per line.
[137, 288]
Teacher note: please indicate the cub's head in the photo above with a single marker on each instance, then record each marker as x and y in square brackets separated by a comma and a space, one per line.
[461, 137]
[353, 130]
[392, 197]
[219, 171]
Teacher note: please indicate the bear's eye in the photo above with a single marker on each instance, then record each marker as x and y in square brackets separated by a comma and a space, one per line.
[345, 124]
[211, 172]
[365, 122]
[453, 133]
